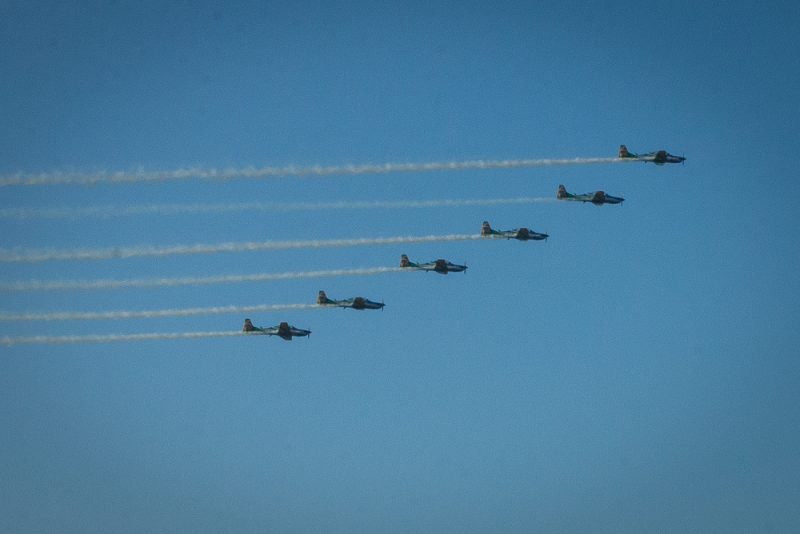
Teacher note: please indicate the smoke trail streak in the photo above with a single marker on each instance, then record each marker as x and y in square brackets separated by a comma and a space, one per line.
[52, 285]
[107, 212]
[107, 338]
[291, 171]
[32, 256]
[152, 314]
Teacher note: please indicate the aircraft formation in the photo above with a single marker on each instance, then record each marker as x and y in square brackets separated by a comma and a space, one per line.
[442, 266]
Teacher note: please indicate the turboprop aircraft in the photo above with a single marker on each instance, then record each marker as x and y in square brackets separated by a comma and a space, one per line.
[659, 157]
[283, 330]
[523, 234]
[357, 303]
[598, 198]
[438, 266]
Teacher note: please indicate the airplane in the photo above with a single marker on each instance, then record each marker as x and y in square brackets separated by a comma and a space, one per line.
[283, 330]
[438, 266]
[523, 234]
[598, 198]
[659, 157]
[357, 303]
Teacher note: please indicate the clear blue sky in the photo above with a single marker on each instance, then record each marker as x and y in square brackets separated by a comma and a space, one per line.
[636, 373]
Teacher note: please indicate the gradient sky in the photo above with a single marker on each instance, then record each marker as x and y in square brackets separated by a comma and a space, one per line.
[638, 372]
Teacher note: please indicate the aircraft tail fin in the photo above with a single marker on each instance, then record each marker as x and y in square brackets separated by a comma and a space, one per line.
[562, 192]
[624, 153]
[248, 326]
[404, 262]
[486, 229]
[322, 298]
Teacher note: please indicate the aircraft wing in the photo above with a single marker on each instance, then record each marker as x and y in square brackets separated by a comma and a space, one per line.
[526, 234]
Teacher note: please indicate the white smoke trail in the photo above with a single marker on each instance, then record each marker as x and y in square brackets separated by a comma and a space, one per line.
[291, 171]
[31, 255]
[107, 212]
[52, 285]
[152, 314]
[107, 338]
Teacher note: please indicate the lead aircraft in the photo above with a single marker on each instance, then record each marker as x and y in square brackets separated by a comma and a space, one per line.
[357, 303]
[598, 198]
[659, 157]
[283, 330]
[438, 266]
[523, 234]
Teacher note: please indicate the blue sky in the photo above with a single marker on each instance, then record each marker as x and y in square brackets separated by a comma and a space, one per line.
[637, 372]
